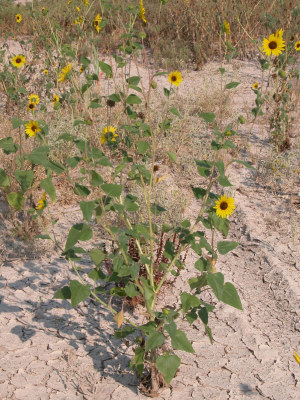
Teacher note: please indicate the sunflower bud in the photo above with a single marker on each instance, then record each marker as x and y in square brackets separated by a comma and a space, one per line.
[153, 85]
[282, 73]
[241, 119]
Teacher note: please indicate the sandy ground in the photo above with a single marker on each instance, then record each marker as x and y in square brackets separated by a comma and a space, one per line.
[50, 351]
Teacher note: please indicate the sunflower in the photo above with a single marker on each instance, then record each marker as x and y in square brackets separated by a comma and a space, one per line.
[18, 61]
[175, 78]
[18, 18]
[41, 202]
[78, 21]
[255, 86]
[34, 98]
[64, 72]
[224, 206]
[228, 133]
[32, 127]
[97, 21]
[108, 134]
[55, 99]
[279, 33]
[31, 106]
[85, 2]
[81, 69]
[226, 27]
[274, 45]
[46, 72]
[297, 46]
[142, 11]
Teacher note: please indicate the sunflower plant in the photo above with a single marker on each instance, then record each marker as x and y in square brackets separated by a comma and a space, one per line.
[282, 66]
[115, 175]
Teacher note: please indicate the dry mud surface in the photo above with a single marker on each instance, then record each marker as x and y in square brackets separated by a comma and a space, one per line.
[50, 351]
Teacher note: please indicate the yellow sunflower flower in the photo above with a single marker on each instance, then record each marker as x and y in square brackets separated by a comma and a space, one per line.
[31, 106]
[46, 72]
[108, 134]
[279, 33]
[78, 21]
[81, 69]
[32, 127]
[64, 72]
[297, 46]
[296, 357]
[175, 78]
[97, 21]
[78, 9]
[41, 202]
[274, 45]
[255, 86]
[226, 27]
[18, 61]
[224, 206]
[142, 11]
[85, 2]
[34, 98]
[18, 18]
[55, 99]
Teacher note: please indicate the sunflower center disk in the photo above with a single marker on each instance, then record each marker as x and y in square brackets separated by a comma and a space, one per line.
[18, 60]
[272, 45]
[174, 78]
[223, 205]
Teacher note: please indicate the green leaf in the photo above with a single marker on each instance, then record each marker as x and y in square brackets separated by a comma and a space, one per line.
[73, 161]
[63, 293]
[180, 342]
[81, 190]
[198, 282]
[172, 156]
[188, 301]
[224, 247]
[138, 361]
[16, 122]
[130, 204]
[133, 80]
[78, 232]
[209, 333]
[131, 290]
[232, 85]
[49, 188]
[79, 292]
[96, 274]
[166, 92]
[223, 181]
[230, 296]
[142, 147]
[25, 178]
[247, 165]
[5, 180]
[16, 200]
[133, 99]
[222, 70]
[155, 339]
[174, 111]
[43, 237]
[216, 282]
[203, 314]
[115, 97]
[168, 366]
[87, 208]
[112, 190]
[96, 178]
[122, 333]
[106, 68]
[156, 209]
[97, 256]
[8, 146]
[221, 167]
[208, 117]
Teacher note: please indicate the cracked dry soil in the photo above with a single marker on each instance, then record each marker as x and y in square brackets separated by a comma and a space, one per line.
[50, 351]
